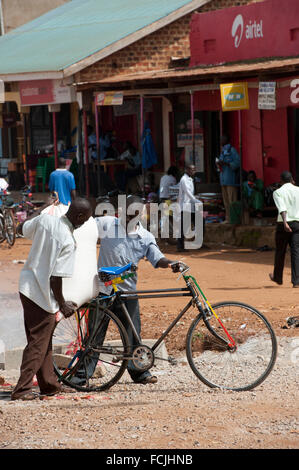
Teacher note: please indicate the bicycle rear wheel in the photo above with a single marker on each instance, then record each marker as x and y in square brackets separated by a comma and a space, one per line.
[238, 361]
[10, 227]
[90, 360]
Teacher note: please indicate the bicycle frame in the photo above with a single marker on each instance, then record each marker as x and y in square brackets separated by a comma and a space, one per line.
[192, 290]
[152, 294]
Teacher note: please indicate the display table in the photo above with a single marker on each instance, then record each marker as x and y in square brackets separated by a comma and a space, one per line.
[111, 165]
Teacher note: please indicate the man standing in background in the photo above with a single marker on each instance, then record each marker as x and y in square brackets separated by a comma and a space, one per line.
[187, 201]
[286, 199]
[228, 164]
[62, 182]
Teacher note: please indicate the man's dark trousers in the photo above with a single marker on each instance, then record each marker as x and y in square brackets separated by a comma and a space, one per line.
[132, 306]
[37, 356]
[282, 240]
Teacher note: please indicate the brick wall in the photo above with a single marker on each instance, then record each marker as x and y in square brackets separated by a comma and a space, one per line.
[153, 52]
[150, 53]
[217, 4]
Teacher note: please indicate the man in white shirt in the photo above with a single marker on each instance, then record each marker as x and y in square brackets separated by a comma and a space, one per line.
[170, 179]
[286, 199]
[187, 201]
[51, 258]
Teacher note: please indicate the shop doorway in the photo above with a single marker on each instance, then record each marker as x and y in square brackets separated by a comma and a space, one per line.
[275, 144]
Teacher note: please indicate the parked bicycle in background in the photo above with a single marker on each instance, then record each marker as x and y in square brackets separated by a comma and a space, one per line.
[7, 219]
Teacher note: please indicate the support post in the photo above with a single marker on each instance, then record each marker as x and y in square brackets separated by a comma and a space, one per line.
[141, 132]
[241, 169]
[192, 126]
[86, 152]
[55, 138]
[97, 122]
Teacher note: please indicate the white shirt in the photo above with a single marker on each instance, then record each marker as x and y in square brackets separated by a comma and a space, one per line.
[165, 182]
[186, 194]
[51, 254]
[286, 200]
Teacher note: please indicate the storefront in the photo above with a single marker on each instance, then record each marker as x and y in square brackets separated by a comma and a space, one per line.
[248, 36]
[50, 119]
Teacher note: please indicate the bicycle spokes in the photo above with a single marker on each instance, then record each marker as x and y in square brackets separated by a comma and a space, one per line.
[198, 291]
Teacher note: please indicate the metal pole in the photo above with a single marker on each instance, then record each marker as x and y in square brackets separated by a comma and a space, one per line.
[96, 112]
[192, 126]
[141, 132]
[25, 148]
[2, 19]
[55, 139]
[86, 152]
[241, 172]
[80, 154]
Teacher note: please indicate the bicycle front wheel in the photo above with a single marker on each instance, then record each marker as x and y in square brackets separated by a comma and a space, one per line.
[90, 359]
[10, 227]
[235, 351]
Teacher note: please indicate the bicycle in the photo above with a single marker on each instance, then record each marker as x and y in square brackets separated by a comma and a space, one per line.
[7, 220]
[229, 345]
[24, 208]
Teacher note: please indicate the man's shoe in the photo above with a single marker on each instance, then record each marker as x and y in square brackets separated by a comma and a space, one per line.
[273, 280]
[296, 285]
[151, 379]
[62, 389]
[26, 397]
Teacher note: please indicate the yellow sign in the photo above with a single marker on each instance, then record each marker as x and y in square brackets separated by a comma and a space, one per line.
[234, 96]
[110, 99]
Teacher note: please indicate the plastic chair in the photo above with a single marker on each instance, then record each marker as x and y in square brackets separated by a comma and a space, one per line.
[50, 166]
[41, 161]
[41, 172]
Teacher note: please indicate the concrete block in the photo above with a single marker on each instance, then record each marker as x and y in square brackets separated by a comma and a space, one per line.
[247, 236]
[63, 360]
[13, 358]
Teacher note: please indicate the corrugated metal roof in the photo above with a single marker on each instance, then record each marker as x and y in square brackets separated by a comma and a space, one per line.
[79, 29]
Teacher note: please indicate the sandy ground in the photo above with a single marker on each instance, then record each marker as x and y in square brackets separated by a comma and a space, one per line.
[179, 412]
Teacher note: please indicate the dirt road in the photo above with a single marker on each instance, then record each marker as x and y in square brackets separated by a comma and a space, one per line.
[178, 412]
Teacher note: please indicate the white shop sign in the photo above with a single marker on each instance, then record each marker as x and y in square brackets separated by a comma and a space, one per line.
[267, 95]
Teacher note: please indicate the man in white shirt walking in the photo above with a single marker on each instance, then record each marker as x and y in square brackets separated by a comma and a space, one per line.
[187, 201]
[51, 258]
[286, 199]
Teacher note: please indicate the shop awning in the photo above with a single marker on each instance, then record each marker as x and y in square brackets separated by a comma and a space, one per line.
[216, 73]
[80, 33]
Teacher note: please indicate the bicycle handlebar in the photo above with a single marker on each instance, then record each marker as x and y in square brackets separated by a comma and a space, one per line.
[179, 267]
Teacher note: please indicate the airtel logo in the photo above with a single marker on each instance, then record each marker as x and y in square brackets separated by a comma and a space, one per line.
[253, 29]
[237, 29]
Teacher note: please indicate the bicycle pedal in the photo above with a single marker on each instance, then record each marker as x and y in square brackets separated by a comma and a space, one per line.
[172, 361]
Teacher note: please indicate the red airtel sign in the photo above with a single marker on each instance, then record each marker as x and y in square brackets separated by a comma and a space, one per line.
[266, 29]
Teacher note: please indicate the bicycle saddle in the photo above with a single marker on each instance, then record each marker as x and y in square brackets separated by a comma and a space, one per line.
[115, 270]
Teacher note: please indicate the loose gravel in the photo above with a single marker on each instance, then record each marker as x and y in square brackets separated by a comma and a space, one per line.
[179, 412]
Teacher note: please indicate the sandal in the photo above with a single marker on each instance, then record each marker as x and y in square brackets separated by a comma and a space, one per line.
[26, 397]
[151, 379]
